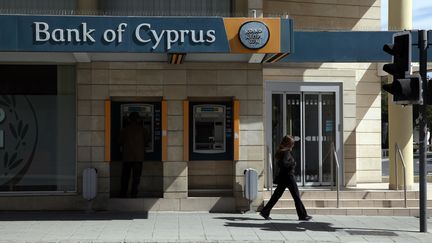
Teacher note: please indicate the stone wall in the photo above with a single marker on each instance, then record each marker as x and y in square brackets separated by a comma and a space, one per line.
[100, 81]
[328, 15]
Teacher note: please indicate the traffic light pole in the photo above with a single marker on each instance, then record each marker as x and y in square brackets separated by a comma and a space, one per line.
[423, 45]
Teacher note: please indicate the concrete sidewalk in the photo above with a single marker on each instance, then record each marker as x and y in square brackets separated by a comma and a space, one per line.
[204, 227]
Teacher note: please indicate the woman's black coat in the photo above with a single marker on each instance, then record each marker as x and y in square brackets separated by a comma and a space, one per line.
[285, 167]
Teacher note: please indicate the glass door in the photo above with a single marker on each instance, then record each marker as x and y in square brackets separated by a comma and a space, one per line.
[311, 141]
[311, 118]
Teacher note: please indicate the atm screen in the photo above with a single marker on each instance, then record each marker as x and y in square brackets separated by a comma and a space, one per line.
[146, 115]
[209, 129]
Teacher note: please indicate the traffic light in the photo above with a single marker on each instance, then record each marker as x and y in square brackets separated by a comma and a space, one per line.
[406, 89]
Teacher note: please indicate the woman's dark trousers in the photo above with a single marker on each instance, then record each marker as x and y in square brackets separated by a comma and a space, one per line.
[291, 183]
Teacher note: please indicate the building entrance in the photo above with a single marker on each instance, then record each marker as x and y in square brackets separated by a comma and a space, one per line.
[312, 118]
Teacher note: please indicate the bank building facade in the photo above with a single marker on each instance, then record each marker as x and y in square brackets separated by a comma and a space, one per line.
[214, 87]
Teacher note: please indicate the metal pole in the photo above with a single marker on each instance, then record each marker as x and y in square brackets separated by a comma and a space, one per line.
[423, 45]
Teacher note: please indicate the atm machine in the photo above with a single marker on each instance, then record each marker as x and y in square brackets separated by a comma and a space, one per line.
[211, 129]
[150, 118]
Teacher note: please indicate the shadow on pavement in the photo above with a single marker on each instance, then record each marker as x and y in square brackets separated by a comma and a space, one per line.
[311, 226]
[71, 215]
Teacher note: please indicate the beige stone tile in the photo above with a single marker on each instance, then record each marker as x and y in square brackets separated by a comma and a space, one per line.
[368, 151]
[231, 77]
[82, 65]
[175, 107]
[175, 169]
[369, 126]
[175, 123]
[349, 124]
[84, 92]
[84, 76]
[175, 153]
[251, 138]
[83, 154]
[349, 111]
[175, 195]
[175, 184]
[100, 65]
[174, 92]
[122, 65]
[98, 138]
[349, 138]
[149, 77]
[255, 152]
[368, 113]
[237, 92]
[98, 108]
[100, 92]
[100, 76]
[174, 77]
[202, 91]
[350, 179]
[84, 107]
[175, 138]
[202, 77]
[255, 77]
[369, 138]
[97, 123]
[255, 108]
[369, 176]
[354, 212]
[255, 92]
[103, 185]
[103, 168]
[84, 138]
[369, 163]
[150, 90]
[84, 123]
[243, 108]
[369, 88]
[350, 165]
[98, 154]
[123, 90]
[349, 97]
[367, 101]
[122, 77]
[244, 153]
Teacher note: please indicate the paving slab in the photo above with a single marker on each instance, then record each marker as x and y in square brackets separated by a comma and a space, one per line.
[73, 227]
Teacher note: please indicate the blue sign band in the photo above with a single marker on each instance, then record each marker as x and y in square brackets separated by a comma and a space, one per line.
[112, 34]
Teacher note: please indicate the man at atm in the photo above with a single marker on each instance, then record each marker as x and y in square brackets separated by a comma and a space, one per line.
[133, 139]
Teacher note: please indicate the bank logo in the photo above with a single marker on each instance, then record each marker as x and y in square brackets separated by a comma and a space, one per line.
[254, 35]
[18, 138]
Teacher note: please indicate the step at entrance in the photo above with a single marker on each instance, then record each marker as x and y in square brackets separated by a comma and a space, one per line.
[358, 202]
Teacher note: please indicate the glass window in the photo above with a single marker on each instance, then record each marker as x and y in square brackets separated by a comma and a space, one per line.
[37, 124]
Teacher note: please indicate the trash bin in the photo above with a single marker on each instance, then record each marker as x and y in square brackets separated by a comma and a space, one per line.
[89, 183]
[250, 184]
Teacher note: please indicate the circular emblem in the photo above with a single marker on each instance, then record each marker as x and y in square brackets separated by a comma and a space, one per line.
[254, 35]
[18, 138]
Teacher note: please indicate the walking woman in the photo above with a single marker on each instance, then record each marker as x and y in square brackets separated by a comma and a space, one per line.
[285, 178]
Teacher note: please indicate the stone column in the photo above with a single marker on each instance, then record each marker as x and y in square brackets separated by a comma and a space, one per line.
[400, 117]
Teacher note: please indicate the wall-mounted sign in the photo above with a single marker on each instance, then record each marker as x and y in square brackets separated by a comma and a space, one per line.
[27, 33]
[254, 35]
